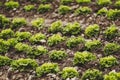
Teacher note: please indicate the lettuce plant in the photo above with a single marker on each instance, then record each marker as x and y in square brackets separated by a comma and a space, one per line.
[83, 1]
[29, 7]
[102, 11]
[64, 9]
[12, 42]
[64, 2]
[47, 68]
[69, 72]
[45, 1]
[11, 4]
[117, 3]
[44, 8]
[104, 2]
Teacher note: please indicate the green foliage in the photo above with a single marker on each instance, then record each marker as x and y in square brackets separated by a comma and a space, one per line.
[111, 48]
[112, 76]
[18, 22]
[55, 39]
[24, 64]
[57, 55]
[83, 57]
[64, 9]
[33, 0]
[45, 1]
[38, 37]
[83, 1]
[56, 27]
[12, 42]
[117, 3]
[47, 68]
[4, 46]
[21, 47]
[104, 2]
[69, 72]
[11, 4]
[83, 11]
[4, 60]
[29, 7]
[111, 32]
[38, 23]
[44, 8]
[7, 33]
[37, 51]
[74, 41]
[92, 30]
[92, 74]
[108, 61]
[20, 36]
[113, 14]
[72, 28]
[93, 45]
[102, 11]
[3, 21]
[64, 2]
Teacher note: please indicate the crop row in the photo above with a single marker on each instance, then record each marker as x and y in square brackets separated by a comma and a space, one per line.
[65, 9]
[67, 72]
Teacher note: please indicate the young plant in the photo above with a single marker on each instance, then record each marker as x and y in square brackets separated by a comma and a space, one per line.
[69, 72]
[47, 68]
[92, 74]
[108, 61]
[117, 3]
[83, 57]
[93, 45]
[57, 55]
[38, 23]
[21, 47]
[64, 2]
[72, 28]
[11, 4]
[56, 27]
[55, 39]
[37, 51]
[103, 11]
[83, 1]
[4, 60]
[36, 38]
[12, 42]
[104, 2]
[111, 48]
[20, 36]
[45, 1]
[24, 64]
[64, 9]
[18, 22]
[44, 8]
[75, 41]
[4, 21]
[111, 32]
[92, 30]
[4, 46]
[112, 76]
[7, 33]
[29, 7]
[83, 11]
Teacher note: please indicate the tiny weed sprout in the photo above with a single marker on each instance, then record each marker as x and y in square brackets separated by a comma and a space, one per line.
[83, 57]
[108, 61]
[24, 64]
[56, 27]
[64, 9]
[103, 11]
[55, 39]
[92, 74]
[47, 68]
[83, 1]
[75, 41]
[44, 8]
[57, 55]
[111, 48]
[92, 30]
[29, 7]
[11, 4]
[64, 2]
[36, 38]
[83, 11]
[4, 60]
[18, 22]
[72, 28]
[104, 2]
[69, 72]
[38, 23]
